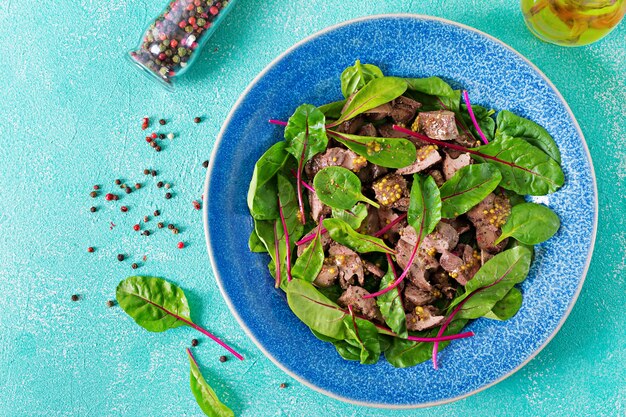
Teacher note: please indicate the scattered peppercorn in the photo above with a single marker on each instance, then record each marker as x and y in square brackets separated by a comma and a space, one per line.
[160, 225]
[136, 228]
[122, 186]
[205, 164]
[161, 136]
[180, 245]
[146, 232]
[223, 358]
[134, 266]
[128, 190]
[162, 122]
[149, 140]
[196, 205]
[146, 219]
[137, 186]
[124, 209]
[170, 136]
[96, 187]
[167, 186]
[146, 172]
[93, 194]
[110, 303]
[75, 297]
[168, 195]
[159, 184]
[118, 182]
[153, 144]
[110, 197]
[120, 257]
[90, 249]
[145, 123]
[175, 231]
[153, 135]
[197, 120]
[93, 209]
[157, 213]
[153, 173]
[283, 385]
[170, 226]
[194, 342]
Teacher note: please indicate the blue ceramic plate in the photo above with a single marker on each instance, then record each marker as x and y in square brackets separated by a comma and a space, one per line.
[408, 46]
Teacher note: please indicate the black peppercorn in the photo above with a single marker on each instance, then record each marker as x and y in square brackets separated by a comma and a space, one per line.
[134, 266]
[157, 213]
[146, 172]
[283, 385]
[157, 148]
[175, 231]
[93, 194]
[170, 226]
[128, 190]
[159, 184]
[162, 122]
[197, 120]
[118, 182]
[160, 225]
[146, 219]
[205, 164]
[110, 303]
[153, 173]
[120, 257]
[168, 195]
[93, 209]
[75, 297]
[146, 232]
[223, 358]
[161, 135]
[137, 186]
[194, 342]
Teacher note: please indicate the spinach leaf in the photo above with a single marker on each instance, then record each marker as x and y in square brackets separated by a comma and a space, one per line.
[255, 244]
[323, 338]
[342, 233]
[390, 304]
[484, 119]
[495, 278]
[365, 334]
[432, 103]
[356, 77]
[468, 187]
[347, 350]
[339, 188]
[270, 232]
[530, 223]
[315, 310]
[289, 204]
[425, 205]
[333, 110]
[525, 169]
[433, 86]
[262, 189]
[204, 394]
[507, 307]
[386, 152]
[354, 217]
[310, 263]
[512, 125]
[376, 92]
[404, 353]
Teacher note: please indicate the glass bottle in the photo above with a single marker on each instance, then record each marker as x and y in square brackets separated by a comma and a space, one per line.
[172, 42]
[572, 22]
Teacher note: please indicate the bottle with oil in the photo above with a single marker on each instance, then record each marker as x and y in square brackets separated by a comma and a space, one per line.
[572, 22]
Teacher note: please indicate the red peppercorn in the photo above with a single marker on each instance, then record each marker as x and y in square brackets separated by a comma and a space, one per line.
[192, 20]
[190, 7]
[96, 187]
[180, 245]
[90, 249]
[145, 123]
[182, 24]
[148, 139]
[109, 197]
[173, 43]
[214, 10]
[136, 228]
[124, 209]
[153, 135]
[196, 205]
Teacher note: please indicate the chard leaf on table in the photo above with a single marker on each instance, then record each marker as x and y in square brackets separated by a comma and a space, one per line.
[512, 125]
[530, 223]
[204, 394]
[354, 217]
[468, 187]
[432, 86]
[262, 189]
[333, 110]
[315, 310]
[495, 279]
[525, 168]
[405, 353]
[357, 76]
[378, 91]
[365, 334]
[507, 307]
[390, 305]
[386, 152]
[342, 233]
[310, 263]
[339, 188]
[484, 119]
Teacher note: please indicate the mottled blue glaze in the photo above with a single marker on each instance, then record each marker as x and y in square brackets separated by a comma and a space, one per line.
[496, 77]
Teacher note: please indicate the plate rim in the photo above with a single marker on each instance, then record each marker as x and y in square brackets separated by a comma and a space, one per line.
[218, 279]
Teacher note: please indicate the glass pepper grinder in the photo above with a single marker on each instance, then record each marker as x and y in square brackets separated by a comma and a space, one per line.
[172, 42]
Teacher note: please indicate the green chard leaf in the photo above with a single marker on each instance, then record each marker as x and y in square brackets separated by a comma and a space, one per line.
[378, 91]
[507, 307]
[289, 203]
[499, 275]
[333, 110]
[468, 187]
[354, 217]
[386, 152]
[262, 190]
[432, 103]
[525, 169]
[305, 133]
[512, 125]
[425, 205]
[357, 76]
[342, 233]
[404, 353]
[347, 350]
[315, 310]
[390, 304]
[530, 223]
[432, 86]
[484, 119]
[204, 394]
[310, 263]
[255, 244]
[365, 334]
[339, 188]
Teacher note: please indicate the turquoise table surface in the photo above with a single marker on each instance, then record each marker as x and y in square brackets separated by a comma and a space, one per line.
[70, 118]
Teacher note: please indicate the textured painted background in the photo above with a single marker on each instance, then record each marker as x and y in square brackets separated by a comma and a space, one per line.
[69, 118]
